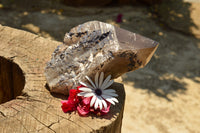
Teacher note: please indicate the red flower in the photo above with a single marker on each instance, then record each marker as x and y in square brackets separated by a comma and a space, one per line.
[84, 106]
[67, 106]
[81, 104]
[71, 103]
[73, 96]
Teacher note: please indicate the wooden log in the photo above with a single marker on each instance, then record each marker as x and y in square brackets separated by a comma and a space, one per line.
[23, 57]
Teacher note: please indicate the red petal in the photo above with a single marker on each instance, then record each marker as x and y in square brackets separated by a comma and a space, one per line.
[64, 101]
[72, 94]
[67, 106]
[86, 101]
[84, 106]
[83, 111]
[105, 111]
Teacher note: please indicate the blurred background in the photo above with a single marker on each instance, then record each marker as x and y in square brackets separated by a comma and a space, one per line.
[163, 97]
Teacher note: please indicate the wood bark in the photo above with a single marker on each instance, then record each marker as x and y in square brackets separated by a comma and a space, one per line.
[23, 57]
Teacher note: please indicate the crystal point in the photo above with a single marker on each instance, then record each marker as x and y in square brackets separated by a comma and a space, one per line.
[96, 47]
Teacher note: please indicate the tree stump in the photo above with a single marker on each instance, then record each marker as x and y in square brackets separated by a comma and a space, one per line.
[27, 105]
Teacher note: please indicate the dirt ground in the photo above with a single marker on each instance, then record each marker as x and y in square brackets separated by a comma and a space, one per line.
[163, 97]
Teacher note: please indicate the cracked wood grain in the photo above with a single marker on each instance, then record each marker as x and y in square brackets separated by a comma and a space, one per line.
[38, 110]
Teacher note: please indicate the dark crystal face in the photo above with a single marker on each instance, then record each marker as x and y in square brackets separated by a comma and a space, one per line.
[98, 92]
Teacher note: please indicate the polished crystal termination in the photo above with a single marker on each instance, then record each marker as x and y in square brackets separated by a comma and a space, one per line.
[96, 47]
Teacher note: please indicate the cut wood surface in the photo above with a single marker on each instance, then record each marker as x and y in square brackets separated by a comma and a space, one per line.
[23, 57]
